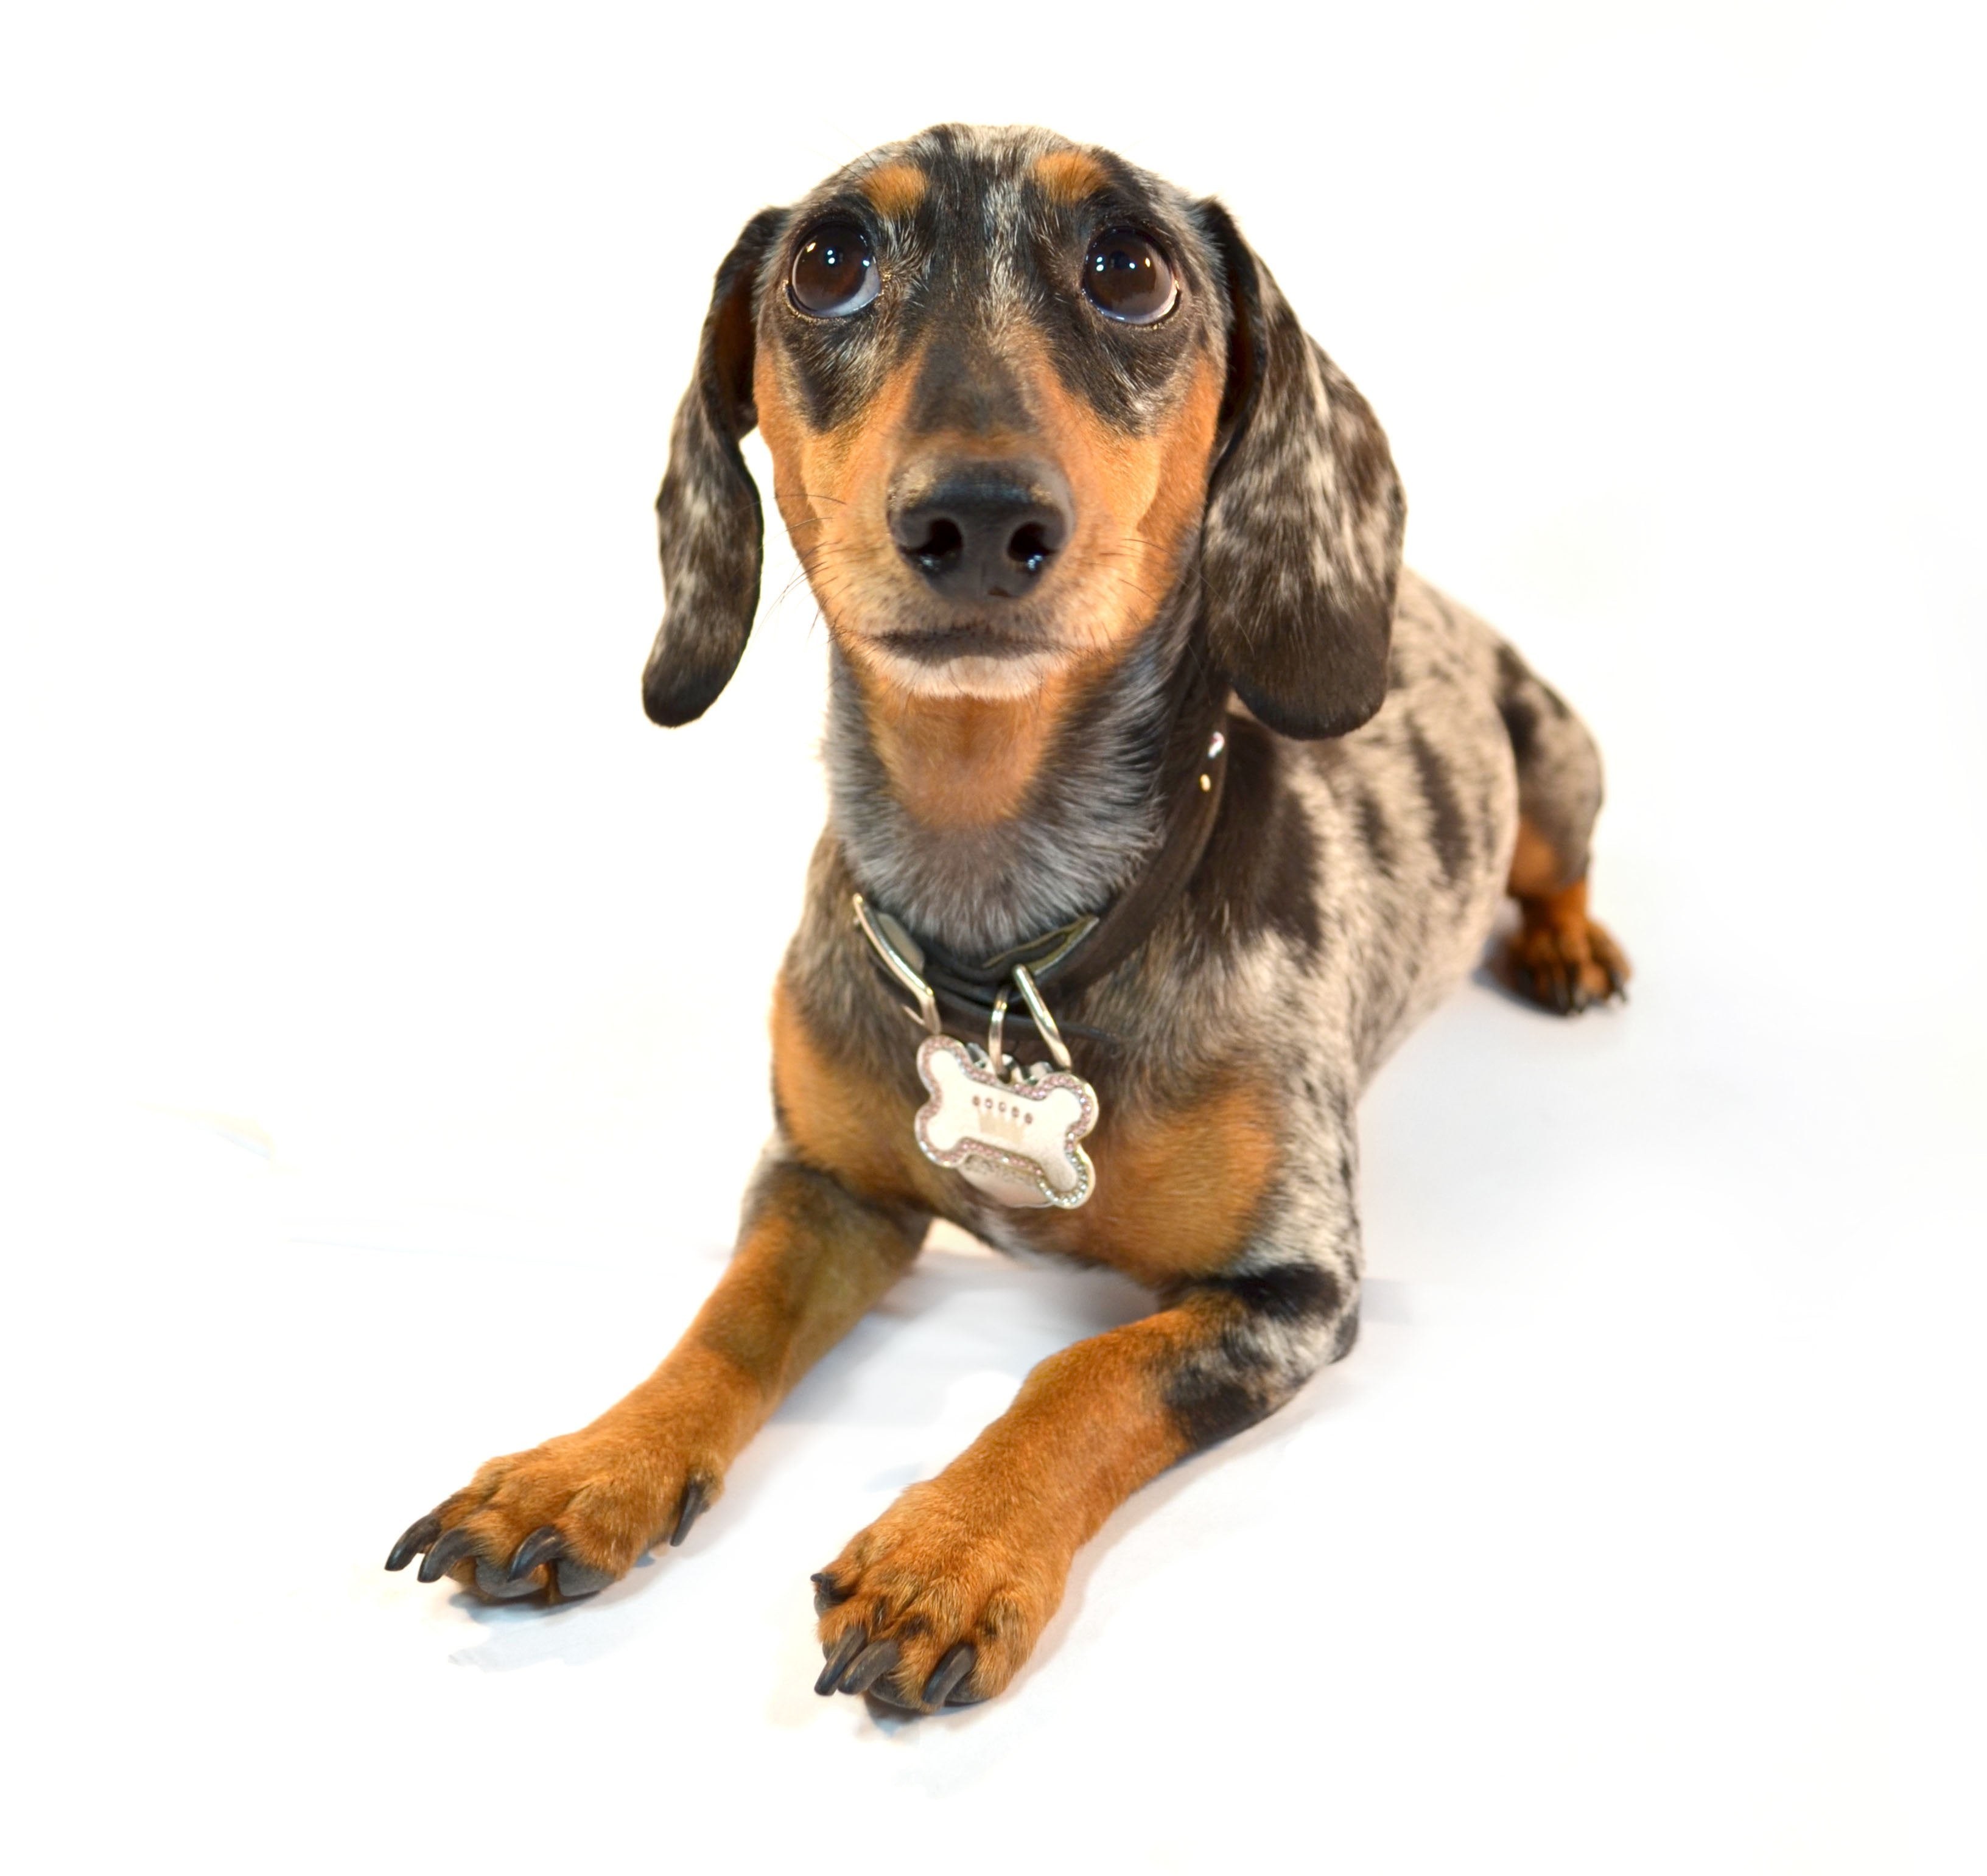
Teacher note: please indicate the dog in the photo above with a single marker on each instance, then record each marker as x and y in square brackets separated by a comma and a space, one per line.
[1149, 765]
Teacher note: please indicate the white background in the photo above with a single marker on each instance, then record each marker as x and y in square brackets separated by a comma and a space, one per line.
[384, 997]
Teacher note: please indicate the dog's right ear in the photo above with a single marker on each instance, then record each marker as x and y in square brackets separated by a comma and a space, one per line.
[708, 521]
[1301, 548]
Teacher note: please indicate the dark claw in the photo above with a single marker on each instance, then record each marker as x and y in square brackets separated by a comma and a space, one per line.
[694, 1503]
[576, 1579]
[1562, 994]
[954, 1666]
[871, 1665]
[827, 1592]
[1617, 985]
[491, 1581]
[452, 1546]
[1575, 990]
[417, 1537]
[883, 1694]
[540, 1547]
[851, 1644]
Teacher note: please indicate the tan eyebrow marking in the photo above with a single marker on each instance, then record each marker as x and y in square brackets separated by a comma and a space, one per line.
[896, 189]
[1070, 175]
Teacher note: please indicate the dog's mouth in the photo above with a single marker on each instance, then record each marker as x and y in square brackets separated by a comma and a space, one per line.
[943, 644]
[972, 658]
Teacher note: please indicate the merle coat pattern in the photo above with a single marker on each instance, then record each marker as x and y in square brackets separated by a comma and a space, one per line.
[1188, 522]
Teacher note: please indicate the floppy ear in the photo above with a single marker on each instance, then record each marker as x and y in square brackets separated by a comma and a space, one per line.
[1301, 548]
[707, 516]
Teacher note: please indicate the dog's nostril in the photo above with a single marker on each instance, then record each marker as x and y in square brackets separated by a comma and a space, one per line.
[978, 530]
[1030, 547]
[941, 544]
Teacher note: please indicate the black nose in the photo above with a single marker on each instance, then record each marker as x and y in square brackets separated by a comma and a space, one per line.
[983, 530]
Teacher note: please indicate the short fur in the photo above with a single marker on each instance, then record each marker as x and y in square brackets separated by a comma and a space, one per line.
[1390, 769]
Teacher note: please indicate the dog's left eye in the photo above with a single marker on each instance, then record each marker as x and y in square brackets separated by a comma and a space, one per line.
[1125, 275]
[834, 272]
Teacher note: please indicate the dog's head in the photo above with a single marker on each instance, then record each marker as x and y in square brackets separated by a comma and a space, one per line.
[1015, 392]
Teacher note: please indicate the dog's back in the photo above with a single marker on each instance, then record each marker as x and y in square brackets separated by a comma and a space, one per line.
[1418, 813]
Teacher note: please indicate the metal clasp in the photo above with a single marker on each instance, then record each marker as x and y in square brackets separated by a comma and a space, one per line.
[875, 927]
[901, 956]
[1045, 1024]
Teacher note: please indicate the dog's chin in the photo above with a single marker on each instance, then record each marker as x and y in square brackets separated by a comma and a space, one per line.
[967, 661]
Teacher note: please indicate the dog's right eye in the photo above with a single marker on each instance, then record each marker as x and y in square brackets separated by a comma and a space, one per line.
[834, 272]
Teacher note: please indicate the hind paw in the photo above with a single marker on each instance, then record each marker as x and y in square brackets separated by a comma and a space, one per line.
[1562, 963]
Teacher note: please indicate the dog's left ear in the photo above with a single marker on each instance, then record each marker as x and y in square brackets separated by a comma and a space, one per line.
[1301, 549]
[708, 521]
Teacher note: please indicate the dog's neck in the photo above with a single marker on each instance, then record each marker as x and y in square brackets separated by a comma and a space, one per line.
[920, 790]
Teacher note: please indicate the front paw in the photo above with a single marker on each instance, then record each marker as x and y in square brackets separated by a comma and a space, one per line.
[563, 1520]
[939, 1602]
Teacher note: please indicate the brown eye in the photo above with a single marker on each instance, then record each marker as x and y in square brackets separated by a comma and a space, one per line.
[1125, 275]
[835, 272]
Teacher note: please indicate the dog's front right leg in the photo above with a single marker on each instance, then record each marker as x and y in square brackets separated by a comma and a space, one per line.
[567, 1518]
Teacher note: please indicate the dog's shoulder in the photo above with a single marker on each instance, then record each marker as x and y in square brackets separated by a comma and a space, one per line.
[1355, 878]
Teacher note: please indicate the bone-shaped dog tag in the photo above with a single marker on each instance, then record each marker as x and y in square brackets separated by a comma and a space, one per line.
[1014, 1140]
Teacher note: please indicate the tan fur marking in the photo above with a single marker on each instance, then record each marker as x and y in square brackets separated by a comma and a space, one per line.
[963, 762]
[820, 476]
[1138, 498]
[841, 1122]
[896, 189]
[1069, 176]
[1559, 956]
[807, 1267]
[1177, 1192]
[810, 1261]
[1535, 867]
[981, 1553]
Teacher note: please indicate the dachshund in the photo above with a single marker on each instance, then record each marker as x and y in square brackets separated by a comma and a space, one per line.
[1163, 801]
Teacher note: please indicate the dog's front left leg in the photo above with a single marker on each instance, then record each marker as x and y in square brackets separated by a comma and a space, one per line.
[568, 1518]
[941, 1600]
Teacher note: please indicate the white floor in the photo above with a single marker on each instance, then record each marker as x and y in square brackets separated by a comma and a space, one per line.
[1640, 1532]
[384, 1045]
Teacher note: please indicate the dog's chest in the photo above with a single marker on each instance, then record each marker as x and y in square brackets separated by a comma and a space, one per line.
[1173, 1191]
